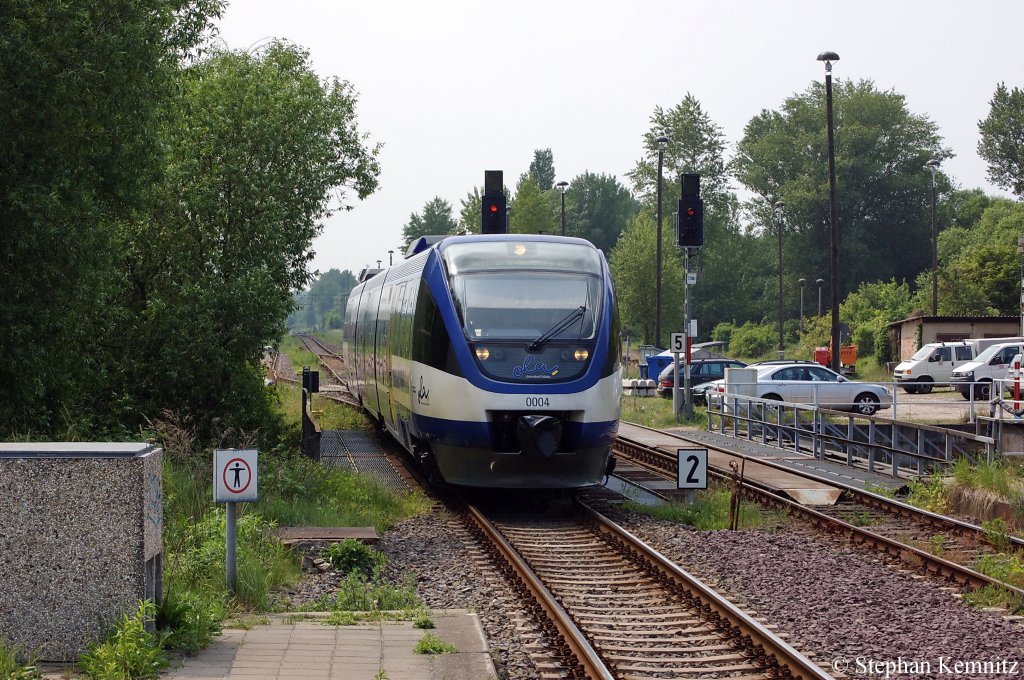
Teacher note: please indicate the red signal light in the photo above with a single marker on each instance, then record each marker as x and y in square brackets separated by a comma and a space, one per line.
[494, 208]
[690, 212]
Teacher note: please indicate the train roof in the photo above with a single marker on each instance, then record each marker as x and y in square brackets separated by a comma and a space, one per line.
[425, 242]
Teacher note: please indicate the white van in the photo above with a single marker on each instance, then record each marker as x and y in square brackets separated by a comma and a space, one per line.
[933, 363]
[987, 367]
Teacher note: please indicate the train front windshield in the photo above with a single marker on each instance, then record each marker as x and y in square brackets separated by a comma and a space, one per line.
[531, 290]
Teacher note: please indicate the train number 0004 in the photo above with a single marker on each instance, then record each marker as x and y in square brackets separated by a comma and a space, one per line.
[537, 402]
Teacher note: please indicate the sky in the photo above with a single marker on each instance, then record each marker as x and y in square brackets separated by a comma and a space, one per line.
[453, 88]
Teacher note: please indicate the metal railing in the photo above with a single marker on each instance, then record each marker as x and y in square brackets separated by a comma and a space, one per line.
[876, 443]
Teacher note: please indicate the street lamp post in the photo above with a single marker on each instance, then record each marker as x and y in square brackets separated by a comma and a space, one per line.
[801, 282]
[828, 58]
[820, 283]
[933, 165]
[562, 186]
[779, 207]
[662, 141]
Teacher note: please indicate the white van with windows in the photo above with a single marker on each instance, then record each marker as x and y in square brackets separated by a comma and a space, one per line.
[933, 363]
[989, 366]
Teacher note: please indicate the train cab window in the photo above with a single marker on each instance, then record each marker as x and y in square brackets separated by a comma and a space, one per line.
[431, 344]
[509, 290]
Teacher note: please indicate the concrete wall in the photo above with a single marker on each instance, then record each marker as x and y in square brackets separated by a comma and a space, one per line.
[81, 541]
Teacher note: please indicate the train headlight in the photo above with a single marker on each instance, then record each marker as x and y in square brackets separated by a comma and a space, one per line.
[581, 355]
[483, 354]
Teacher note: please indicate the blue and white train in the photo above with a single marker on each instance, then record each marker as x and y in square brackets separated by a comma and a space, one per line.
[493, 359]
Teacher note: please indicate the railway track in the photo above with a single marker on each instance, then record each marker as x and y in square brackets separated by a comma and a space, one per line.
[883, 524]
[620, 610]
[335, 386]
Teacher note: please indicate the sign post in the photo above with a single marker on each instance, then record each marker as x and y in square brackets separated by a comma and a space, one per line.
[692, 472]
[235, 477]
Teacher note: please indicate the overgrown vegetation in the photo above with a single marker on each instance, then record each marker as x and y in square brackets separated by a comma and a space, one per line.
[710, 511]
[129, 652]
[16, 665]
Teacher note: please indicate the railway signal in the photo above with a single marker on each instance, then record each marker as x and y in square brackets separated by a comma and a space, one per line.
[690, 227]
[493, 208]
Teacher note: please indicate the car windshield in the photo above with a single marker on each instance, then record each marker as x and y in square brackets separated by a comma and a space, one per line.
[988, 354]
[508, 290]
[922, 353]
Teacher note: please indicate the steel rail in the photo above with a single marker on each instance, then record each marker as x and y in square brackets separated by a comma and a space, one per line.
[772, 647]
[663, 464]
[868, 498]
[573, 638]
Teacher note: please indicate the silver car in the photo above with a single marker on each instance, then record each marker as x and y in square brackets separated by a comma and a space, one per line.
[811, 383]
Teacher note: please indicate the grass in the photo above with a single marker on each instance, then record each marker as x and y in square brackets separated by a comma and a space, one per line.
[709, 511]
[1004, 477]
[657, 412]
[16, 665]
[329, 414]
[298, 353]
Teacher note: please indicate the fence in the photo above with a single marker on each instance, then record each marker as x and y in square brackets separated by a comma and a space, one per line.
[872, 442]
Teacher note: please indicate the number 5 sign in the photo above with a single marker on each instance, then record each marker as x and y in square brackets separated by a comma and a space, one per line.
[234, 475]
[693, 469]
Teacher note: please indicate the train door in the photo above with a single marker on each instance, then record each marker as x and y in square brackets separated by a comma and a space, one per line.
[392, 348]
[382, 367]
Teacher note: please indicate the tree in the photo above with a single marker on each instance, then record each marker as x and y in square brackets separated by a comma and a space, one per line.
[436, 220]
[730, 271]
[979, 271]
[542, 169]
[1002, 139]
[260, 151]
[632, 261]
[530, 212]
[83, 92]
[597, 208]
[883, 192]
[469, 214]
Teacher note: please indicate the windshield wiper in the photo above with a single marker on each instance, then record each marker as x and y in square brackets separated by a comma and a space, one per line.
[573, 316]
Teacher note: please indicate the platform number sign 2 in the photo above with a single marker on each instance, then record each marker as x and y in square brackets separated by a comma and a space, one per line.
[693, 468]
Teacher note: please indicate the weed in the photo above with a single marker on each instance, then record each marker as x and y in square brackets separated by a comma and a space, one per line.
[189, 620]
[1004, 567]
[381, 675]
[929, 494]
[996, 533]
[350, 555]
[13, 668]
[340, 618]
[361, 593]
[709, 511]
[422, 620]
[861, 519]
[994, 596]
[129, 652]
[880, 490]
[432, 644]
[657, 412]
[247, 622]
[937, 545]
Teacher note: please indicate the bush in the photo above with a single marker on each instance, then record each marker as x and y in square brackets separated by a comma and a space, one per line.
[189, 620]
[753, 340]
[12, 668]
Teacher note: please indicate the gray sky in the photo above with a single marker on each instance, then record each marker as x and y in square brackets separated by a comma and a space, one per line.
[456, 87]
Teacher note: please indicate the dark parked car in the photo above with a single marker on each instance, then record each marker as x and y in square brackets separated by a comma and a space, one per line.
[701, 371]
